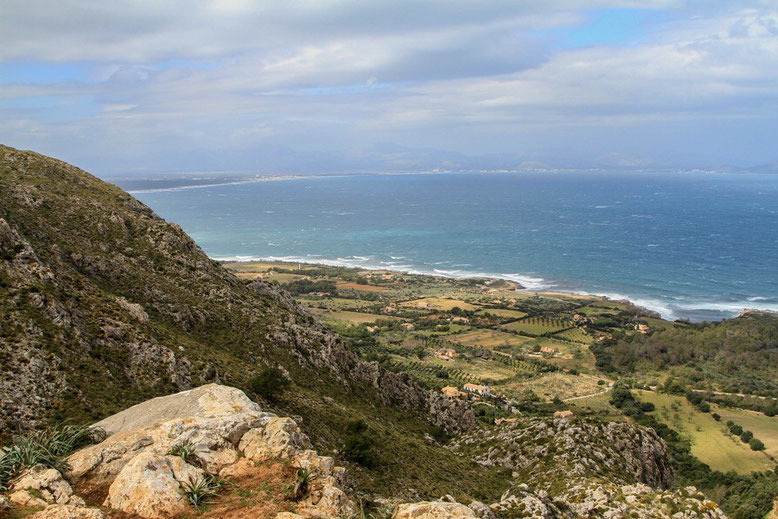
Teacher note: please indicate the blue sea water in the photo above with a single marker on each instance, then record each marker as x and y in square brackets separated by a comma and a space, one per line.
[697, 246]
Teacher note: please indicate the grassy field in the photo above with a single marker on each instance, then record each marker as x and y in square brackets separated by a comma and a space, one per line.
[557, 384]
[438, 303]
[489, 339]
[538, 325]
[352, 318]
[257, 266]
[337, 303]
[503, 312]
[344, 285]
[576, 335]
[764, 427]
[710, 444]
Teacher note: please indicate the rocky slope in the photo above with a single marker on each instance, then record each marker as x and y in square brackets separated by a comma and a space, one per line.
[155, 452]
[577, 467]
[104, 304]
[141, 469]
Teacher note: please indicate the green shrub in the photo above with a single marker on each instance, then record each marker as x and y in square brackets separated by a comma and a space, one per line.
[187, 451]
[299, 489]
[747, 436]
[198, 491]
[269, 383]
[756, 445]
[358, 446]
[48, 447]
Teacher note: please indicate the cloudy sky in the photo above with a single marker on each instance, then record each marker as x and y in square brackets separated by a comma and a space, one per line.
[149, 87]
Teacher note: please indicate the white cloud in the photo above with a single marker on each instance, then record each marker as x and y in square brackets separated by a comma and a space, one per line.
[177, 80]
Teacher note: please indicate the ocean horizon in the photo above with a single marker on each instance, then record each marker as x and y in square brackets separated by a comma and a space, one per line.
[693, 246]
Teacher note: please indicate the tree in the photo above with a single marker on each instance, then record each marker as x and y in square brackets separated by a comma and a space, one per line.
[756, 445]
[269, 383]
[747, 436]
[358, 446]
[736, 430]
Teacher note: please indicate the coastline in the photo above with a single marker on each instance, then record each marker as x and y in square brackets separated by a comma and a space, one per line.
[535, 285]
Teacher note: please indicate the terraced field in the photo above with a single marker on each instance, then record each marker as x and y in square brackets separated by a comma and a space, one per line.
[536, 326]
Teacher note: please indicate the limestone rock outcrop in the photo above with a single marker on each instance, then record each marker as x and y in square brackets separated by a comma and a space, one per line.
[433, 510]
[154, 449]
[42, 486]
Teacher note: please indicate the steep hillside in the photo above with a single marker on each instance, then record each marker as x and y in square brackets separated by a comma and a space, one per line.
[104, 304]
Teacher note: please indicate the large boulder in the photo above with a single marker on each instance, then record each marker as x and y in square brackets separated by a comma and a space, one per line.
[212, 418]
[141, 464]
[149, 486]
[42, 486]
[279, 438]
[433, 510]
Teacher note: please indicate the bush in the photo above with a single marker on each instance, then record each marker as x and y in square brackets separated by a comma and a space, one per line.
[756, 445]
[747, 436]
[359, 445]
[270, 383]
[736, 430]
[716, 416]
[647, 407]
[48, 447]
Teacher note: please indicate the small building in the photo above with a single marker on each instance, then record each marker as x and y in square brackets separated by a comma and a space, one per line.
[477, 389]
[547, 349]
[452, 393]
[460, 319]
[390, 310]
[408, 326]
[447, 354]
[371, 329]
[564, 414]
[642, 328]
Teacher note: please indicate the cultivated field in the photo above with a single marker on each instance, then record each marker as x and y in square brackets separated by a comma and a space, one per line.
[502, 312]
[538, 325]
[352, 318]
[488, 339]
[438, 303]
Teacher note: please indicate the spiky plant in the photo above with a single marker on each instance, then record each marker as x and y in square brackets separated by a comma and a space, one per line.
[198, 491]
[48, 447]
[299, 489]
[187, 451]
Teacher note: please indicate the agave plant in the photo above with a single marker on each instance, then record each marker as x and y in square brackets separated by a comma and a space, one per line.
[198, 491]
[187, 451]
[299, 489]
[48, 447]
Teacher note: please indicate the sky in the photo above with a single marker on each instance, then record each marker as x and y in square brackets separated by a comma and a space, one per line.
[146, 88]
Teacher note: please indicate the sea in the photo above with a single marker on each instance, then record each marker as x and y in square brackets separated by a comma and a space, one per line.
[696, 246]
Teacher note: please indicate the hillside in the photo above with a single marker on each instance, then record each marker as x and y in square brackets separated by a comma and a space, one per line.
[103, 304]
